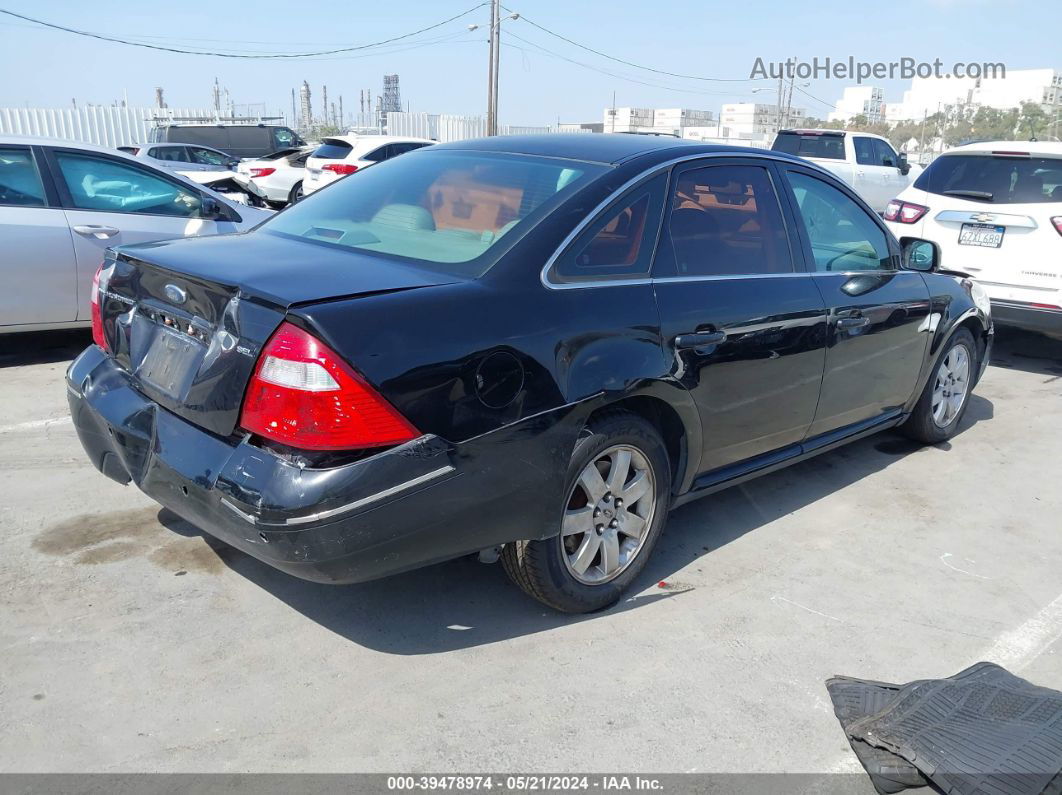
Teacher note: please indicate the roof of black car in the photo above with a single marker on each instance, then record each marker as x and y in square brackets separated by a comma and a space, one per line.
[610, 148]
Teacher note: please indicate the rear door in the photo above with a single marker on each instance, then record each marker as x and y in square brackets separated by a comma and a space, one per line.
[873, 179]
[879, 325]
[37, 266]
[110, 201]
[741, 320]
[895, 180]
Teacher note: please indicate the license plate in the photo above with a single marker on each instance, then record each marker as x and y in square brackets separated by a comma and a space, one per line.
[169, 362]
[983, 235]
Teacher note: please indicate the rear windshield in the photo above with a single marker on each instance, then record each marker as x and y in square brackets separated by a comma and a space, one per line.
[333, 149]
[830, 147]
[995, 179]
[442, 210]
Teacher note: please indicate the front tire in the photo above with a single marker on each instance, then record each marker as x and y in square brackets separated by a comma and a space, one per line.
[617, 493]
[940, 408]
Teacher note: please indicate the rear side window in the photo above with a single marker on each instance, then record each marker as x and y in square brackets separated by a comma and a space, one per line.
[620, 243]
[442, 210]
[842, 236]
[379, 154]
[995, 179]
[726, 220]
[865, 152]
[98, 183]
[20, 184]
[824, 145]
[332, 149]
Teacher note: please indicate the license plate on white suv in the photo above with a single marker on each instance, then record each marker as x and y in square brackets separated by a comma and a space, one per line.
[983, 235]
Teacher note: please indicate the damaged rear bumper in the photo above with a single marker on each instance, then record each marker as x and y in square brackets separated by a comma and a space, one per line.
[420, 503]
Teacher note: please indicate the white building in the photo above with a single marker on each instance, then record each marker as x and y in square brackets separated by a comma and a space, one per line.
[662, 120]
[931, 94]
[749, 120]
[868, 101]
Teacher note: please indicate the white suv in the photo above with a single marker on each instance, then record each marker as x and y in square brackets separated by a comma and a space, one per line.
[995, 210]
[340, 155]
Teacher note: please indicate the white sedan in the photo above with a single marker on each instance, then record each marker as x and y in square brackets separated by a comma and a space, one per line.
[63, 203]
[339, 155]
[275, 178]
[995, 211]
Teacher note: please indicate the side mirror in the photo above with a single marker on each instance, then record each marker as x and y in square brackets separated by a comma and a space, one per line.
[920, 255]
[905, 167]
[231, 164]
[212, 210]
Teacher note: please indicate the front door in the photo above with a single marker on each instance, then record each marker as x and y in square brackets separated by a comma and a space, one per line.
[113, 202]
[879, 320]
[743, 325]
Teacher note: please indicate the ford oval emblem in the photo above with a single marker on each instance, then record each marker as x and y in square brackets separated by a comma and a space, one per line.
[175, 294]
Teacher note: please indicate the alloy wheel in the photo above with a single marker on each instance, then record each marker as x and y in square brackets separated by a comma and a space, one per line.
[953, 382]
[608, 515]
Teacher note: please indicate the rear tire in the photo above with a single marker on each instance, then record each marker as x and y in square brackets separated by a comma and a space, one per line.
[604, 541]
[942, 404]
[295, 194]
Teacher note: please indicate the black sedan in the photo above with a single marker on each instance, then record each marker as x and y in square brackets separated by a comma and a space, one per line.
[535, 345]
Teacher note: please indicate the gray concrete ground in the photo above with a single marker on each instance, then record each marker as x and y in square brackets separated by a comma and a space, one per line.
[128, 642]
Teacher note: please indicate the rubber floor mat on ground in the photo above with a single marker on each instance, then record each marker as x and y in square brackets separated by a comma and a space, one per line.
[860, 698]
[983, 731]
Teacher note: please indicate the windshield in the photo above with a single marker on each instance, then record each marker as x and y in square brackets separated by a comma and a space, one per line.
[995, 179]
[830, 147]
[441, 209]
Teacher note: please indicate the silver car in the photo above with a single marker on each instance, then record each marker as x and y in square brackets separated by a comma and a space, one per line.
[183, 157]
[62, 203]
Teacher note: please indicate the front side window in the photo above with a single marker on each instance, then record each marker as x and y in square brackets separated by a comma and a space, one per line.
[842, 236]
[886, 155]
[440, 209]
[620, 243]
[726, 220]
[282, 136]
[207, 157]
[994, 179]
[99, 183]
[20, 184]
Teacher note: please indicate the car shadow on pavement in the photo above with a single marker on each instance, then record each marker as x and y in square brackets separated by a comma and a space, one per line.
[43, 347]
[1015, 349]
[464, 603]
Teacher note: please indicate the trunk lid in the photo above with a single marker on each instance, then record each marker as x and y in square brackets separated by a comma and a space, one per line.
[188, 322]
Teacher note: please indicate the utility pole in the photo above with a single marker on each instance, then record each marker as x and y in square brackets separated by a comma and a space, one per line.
[294, 118]
[492, 75]
[777, 107]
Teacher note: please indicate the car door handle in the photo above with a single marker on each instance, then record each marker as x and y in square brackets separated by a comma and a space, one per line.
[699, 339]
[852, 321]
[96, 231]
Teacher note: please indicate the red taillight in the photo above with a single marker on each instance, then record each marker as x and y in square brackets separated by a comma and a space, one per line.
[97, 317]
[304, 396]
[262, 172]
[340, 168]
[904, 212]
[1057, 221]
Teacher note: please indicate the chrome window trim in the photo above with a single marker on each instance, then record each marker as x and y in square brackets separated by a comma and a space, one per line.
[648, 174]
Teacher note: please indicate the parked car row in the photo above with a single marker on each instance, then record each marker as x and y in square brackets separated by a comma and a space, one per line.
[630, 323]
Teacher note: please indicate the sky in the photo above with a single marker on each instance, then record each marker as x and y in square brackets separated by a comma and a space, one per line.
[543, 78]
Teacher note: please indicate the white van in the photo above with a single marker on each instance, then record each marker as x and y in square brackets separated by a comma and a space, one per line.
[995, 210]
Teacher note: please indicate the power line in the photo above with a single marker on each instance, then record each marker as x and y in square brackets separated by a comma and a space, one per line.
[180, 51]
[626, 78]
[635, 65]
